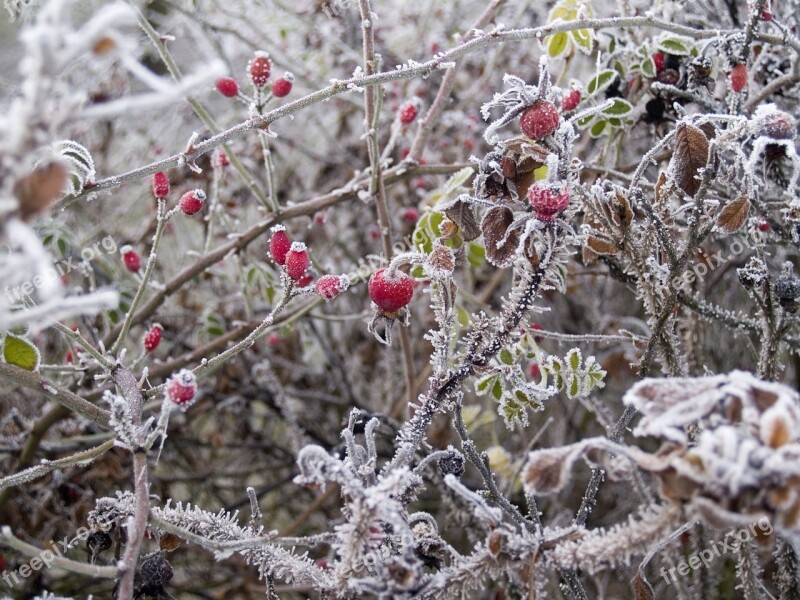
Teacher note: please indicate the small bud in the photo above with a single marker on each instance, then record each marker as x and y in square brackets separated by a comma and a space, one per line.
[160, 185]
[227, 86]
[192, 202]
[330, 286]
[131, 258]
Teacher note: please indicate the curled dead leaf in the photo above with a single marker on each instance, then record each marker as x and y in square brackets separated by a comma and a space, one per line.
[600, 246]
[691, 155]
[39, 188]
[501, 244]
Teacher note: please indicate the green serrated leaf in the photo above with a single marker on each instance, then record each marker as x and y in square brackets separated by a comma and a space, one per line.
[573, 386]
[557, 44]
[601, 81]
[486, 382]
[649, 68]
[619, 107]
[20, 352]
[574, 359]
[675, 45]
[427, 230]
[497, 389]
[584, 122]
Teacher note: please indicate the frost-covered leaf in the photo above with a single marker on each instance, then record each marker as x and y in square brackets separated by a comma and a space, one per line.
[557, 44]
[500, 243]
[39, 188]
[601, 81]
[548, 471]
[20, 352]
[731, 218]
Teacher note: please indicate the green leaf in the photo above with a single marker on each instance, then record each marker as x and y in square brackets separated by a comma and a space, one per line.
[601, 81]
[584, 122]
[598, 128]
[675, 45]
[427, 230]
[620, 107]
[583, 40]
[506, 357]
[476, 254]
[485, 383]
[557, 44]
[574, 359]
[462, 316]
[649, 68]
[497, 389]
[573, 386]
[19, 352]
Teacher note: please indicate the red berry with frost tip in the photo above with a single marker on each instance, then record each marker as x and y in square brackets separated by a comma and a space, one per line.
[258, 69]
[547, 202]
[131, 258]
[192, 202]
[152, 338]
[392, 292]
[330, 286]
[227, 86]
[658, 61]
[182, 388]
[540, 120]
[282, 86]
[408, 112]
[738, 77]
[160, 185]
[279, 244]
[571, 100]
[297, 262]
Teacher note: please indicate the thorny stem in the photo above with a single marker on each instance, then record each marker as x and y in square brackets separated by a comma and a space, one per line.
[85, 344]
[440, 61]
[377, 187]
[163, 218]
[136, 525]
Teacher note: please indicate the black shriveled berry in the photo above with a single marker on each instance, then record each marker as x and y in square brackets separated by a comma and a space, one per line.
[97, 543]
[452, 463]
[787, 288]
[153, 574]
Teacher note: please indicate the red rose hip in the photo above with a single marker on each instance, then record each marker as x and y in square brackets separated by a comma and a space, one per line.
[160, 185]
[540, 120]
[279, 244]
[227, 86]
[192, 202]
[152, 338]
[392, 292]
[131, 258]
[297, 261]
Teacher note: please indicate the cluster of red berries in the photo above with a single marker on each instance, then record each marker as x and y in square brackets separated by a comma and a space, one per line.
[258, 71]
[293, 257]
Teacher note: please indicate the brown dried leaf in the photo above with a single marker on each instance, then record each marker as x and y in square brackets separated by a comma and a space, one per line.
[691, 155]
[624, 210]
[548, 470]
[732, 217]
[662, 180]
[600, 246]
[464, 216]
[642, 590]
[39, 188]
[589, 256]
[501, 245]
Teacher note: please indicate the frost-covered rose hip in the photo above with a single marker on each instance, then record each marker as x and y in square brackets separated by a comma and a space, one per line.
[227, 86]
[182, 388]
[282, 86]
[390, 293]
[571, 100]
[547, 202]
[297, 261]
[738, 77]
[152, 338]
[279, 244]
[131, 258]
[330, 286]
[192, 202]
[258, 69]
[408, 112]
[540, 120]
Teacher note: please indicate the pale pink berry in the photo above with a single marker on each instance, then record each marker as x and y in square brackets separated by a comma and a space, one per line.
[330, 286]
[547, 202]
[408, 112]
[258, 69]
[279, 244]
[571, 100]
[182, 388]
[152, 338]
[297, 261]
[219, 160]
[390, 293]
[192, 202]
[160, 185]
[227, 86]
[131, 258]
[282, 86]
[540, 120]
